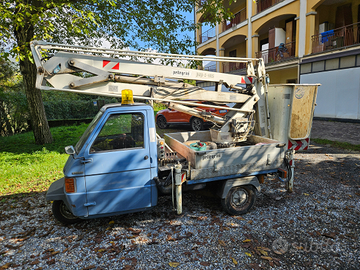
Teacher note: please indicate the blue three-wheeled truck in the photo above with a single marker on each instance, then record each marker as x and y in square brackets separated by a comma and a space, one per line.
[120, 165]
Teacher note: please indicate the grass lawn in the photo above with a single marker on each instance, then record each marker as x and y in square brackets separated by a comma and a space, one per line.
[26, 167]
[343, 145]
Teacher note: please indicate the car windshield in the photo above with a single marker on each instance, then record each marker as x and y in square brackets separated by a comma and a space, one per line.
[87, 132]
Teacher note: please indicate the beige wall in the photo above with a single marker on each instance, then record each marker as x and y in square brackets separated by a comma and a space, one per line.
[281, 76]
[240, 50]
[238, 8]
[211, 45]
[292, 8]
[242, 31]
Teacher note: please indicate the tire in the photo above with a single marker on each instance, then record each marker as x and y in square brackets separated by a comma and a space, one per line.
[197, 124]
[63, 214]
[161, 122]
[239, 200]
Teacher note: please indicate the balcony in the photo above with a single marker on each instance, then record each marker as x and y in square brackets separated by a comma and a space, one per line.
[207, 35]
[337, 38]
[265, 4]
[278, 54]
[232, 66]
[238, 18]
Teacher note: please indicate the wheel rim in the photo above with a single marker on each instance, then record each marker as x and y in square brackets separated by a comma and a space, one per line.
[65, 212]
[161, 122]
[239, 198]
[196, 124]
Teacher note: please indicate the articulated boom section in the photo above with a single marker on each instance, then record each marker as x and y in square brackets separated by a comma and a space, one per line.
[106, 72]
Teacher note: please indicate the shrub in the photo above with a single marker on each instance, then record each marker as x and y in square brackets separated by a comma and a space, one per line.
[14, 115]
[73, 109]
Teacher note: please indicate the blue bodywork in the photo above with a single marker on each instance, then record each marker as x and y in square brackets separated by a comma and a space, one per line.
[111, 182]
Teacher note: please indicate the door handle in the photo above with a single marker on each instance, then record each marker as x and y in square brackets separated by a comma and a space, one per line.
[89, 160]
[146, 157]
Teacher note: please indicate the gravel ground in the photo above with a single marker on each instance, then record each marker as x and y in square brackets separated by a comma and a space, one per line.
[315, 227]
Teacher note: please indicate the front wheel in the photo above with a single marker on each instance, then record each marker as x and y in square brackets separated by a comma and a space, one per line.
[63, 214]
[239, 200]
[196, 124]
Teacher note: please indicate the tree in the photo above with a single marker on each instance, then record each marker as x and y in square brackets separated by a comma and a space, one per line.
[137, 23]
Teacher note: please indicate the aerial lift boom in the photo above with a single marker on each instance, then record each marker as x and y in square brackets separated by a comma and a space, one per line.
[105, 72]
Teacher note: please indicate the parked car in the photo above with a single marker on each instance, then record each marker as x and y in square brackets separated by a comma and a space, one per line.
[169, 116]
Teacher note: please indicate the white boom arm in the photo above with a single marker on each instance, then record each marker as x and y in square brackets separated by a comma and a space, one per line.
[105, 72]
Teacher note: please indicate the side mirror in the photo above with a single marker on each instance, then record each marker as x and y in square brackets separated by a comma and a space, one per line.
[70, 150]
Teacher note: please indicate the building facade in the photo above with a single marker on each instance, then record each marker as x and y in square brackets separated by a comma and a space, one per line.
[301, 41]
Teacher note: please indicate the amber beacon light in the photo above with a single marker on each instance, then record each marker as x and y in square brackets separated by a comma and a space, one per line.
[127, 96]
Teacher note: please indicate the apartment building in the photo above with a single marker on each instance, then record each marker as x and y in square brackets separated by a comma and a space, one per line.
[301, 41]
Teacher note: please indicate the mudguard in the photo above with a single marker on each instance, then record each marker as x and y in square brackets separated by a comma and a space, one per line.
[249, 180]
[56, 191]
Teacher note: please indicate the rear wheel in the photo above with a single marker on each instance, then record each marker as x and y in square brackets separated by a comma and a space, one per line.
[196, 124]
[161, 122]
[239, 200]
[63, 214]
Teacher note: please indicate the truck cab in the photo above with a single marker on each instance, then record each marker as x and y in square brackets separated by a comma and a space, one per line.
[112, 167]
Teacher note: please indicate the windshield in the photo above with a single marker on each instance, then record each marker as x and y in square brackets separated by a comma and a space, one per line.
[87, 132]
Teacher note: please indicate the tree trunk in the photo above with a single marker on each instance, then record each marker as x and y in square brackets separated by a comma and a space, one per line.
[39, 123]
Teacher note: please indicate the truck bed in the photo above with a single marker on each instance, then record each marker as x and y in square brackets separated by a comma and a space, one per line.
[258, 155]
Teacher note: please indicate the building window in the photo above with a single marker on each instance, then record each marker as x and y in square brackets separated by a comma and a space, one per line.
[318, 66]
[332, 64]
[348, 61]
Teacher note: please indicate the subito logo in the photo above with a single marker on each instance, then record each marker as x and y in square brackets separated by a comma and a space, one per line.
[280, 246]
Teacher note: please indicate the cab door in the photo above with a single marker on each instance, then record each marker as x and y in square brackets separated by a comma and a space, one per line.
[117, 165]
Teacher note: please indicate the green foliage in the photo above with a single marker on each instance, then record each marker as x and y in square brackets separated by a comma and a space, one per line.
[214, 11]
[14, 113]
[74, 109]
[136, 24]
[13, 105]
[158, 107]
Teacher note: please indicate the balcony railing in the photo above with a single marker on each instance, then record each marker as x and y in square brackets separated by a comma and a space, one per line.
[232, 66]
[336, 38]
[207, 35]
[277, 54]
[265, 4]
[238, 18]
